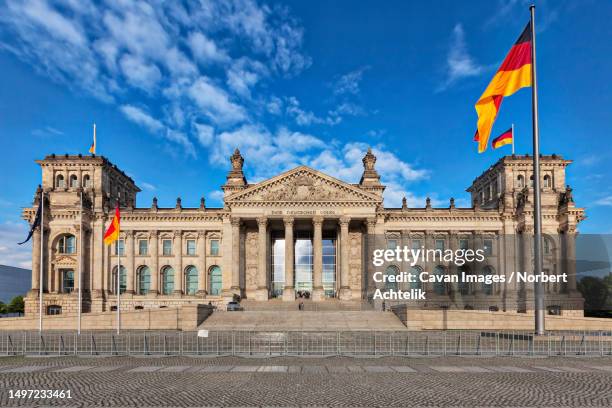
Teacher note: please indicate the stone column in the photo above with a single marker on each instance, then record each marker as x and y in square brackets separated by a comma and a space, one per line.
[570, 245]
[262, 275]
[56, 280]
[131, 275]
[345, 290]
[236, 224]
[154, 289]
[98, 258]
[317, 246]
[179, 276]
[201, 263]
[36, 261]
[289, 289]
[369, 258]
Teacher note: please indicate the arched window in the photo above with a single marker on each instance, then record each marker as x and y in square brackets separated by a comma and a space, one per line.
[66, 244]
[191, 280]
[74, 183]
[215, 280]
[531, 180]
[60, 182]
[86, 181]
[54, 310]
[439, 287]
[167, 280]
[144, 280]
[122, 280]
[548, 245]
[547, 181]
[520, 181]
[487, 288]
[415, 271]
[67, 280]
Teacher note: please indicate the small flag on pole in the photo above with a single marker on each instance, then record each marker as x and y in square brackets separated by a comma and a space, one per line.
[505, 138]
[92, 149]
[112, 233]
[512, 75]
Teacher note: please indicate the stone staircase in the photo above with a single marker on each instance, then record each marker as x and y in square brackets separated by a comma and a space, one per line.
[316, 316]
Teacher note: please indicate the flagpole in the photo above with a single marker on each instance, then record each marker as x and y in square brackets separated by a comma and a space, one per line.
[42, 259]
[537, 215]
[118, 274]
[80, 294]
[513, 139]
[118, 289]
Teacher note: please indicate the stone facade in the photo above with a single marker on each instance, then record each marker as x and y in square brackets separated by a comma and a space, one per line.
[301, 231]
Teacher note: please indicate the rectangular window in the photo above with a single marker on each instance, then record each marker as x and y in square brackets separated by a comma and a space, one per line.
[440, 244]
[120, 247]
[191, 247]
[214, 247]
[167, 247]
[143, 247]
[278, 264]
[464, 244]
[417, 244]
[488, 247]
[391, 243]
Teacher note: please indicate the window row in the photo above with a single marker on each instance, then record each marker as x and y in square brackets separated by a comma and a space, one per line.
[73, 181]
[189, 247]
[546, 181]
[169, 281]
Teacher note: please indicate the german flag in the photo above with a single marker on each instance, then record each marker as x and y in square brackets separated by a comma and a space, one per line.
[112, 233]
[512, 75]
[503, 139]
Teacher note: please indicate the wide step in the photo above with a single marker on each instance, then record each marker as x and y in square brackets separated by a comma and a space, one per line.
[281, 320]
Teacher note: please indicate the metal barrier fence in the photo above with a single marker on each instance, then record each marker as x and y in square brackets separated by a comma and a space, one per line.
[305, 343]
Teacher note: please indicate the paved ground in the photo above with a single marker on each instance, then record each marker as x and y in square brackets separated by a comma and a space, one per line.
[289, 381]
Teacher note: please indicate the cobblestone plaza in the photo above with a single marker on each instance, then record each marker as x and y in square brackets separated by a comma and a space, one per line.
[335, 381]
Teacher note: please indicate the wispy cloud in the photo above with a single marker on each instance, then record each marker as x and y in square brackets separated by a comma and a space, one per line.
[10, 253]
[200, 62]
[47, 131]
[604, 201]
[349, 82]
[459, 63]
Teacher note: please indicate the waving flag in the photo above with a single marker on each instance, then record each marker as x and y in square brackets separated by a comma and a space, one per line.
[92, 149]
[112, 233]
[35, 225]
[512, 75]
[505, 138]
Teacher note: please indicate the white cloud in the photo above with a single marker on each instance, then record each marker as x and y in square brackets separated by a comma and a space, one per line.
[349, 83]
[204, 133]
[215, 103]
[142, 118]
[147, 186]
[139, 73]
[605, 201]
[108, 49]
[47, 131]
[204, 49]
[216, 196]
[459, 63]
[12, 254]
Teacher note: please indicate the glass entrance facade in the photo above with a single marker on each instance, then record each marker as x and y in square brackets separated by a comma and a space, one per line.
[278, 265]
[303, 261]
[329, 264]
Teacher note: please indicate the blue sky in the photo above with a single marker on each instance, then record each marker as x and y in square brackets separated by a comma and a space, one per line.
[174, 88]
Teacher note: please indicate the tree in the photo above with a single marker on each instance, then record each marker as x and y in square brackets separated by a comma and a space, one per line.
[3, 308]
[17, 305]
[595, 293]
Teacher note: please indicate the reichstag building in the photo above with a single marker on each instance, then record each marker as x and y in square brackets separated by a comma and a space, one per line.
[301, 233]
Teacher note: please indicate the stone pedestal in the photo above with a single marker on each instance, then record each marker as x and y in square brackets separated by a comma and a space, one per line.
[289, 294]
[261, 294]
[345, 293]
[318, 295]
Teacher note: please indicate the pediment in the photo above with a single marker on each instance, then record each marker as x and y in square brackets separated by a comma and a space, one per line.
[64, 261]
[303, 184]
